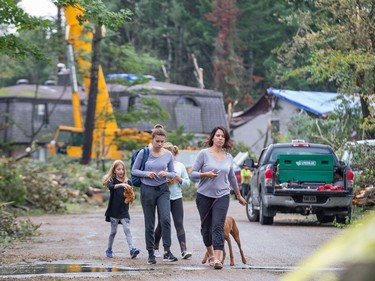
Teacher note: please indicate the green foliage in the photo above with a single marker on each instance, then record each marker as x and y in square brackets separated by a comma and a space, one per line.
[45, 186]
[126, 59]
[35, 70]
[335, 130]
[13, 229]
[189, 193]
[74, 176]
[12, 186]
[363, 161]
[242, 147]
[13, 17]
[177, 137]
[334, 45]
[96, 11]
[148, 110]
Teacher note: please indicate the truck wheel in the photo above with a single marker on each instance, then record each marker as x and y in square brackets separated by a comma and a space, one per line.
[264, 220]
[324, 218]
[252, 215]
[344, 219]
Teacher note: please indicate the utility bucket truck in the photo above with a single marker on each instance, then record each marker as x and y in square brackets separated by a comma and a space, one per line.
[107, 135]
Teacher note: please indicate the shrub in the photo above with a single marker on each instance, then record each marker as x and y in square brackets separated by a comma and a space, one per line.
[11, 228]
[12, 187]
[363, 162]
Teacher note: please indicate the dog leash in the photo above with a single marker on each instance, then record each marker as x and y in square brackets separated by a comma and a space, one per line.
[209, 210]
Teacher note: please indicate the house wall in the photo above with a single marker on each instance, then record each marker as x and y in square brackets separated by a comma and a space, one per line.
[199, 120]
[253, 133]
[283, 112]
[208, 113]
[21, 120]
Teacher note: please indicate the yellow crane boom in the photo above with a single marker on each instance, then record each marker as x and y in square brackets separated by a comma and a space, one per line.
[107, 135]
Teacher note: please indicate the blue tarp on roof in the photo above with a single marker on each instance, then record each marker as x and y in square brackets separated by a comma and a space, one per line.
[318, 103]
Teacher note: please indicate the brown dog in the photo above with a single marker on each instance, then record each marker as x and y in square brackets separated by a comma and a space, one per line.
[129, 195]
[230, 227]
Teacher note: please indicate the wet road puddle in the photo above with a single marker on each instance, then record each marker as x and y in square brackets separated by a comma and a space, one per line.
[74, 270]
[80, 270]
[50, 268]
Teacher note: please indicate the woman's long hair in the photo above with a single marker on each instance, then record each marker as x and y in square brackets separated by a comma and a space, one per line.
[228, 144]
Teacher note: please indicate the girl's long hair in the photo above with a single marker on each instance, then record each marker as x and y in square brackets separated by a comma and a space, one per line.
[111, 173]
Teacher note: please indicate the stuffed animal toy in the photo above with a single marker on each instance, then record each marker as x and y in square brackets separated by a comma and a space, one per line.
[129, 195]
[170, 181]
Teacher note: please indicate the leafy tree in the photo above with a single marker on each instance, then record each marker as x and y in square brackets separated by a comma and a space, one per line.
[178, 31]
[335, 45]
[126, 59]
[177, 137]
[242, 147]
[363, 161]
[148, 110]
[262, 28]
[25, 45]
[339, 127]
[228, 65]
[11, 44]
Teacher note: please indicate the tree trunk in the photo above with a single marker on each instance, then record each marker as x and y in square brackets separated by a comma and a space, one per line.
[366, 114]
[93, 93]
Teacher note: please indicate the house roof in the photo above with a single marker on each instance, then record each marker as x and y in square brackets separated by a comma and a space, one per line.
[165, 88]
[319, 103]
[204, 111]
[261, 106]
[28, 91]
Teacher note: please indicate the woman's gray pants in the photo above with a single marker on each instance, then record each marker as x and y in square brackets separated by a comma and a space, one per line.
[152, 197]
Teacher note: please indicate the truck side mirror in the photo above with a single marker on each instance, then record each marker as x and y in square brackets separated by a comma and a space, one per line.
[249, 162]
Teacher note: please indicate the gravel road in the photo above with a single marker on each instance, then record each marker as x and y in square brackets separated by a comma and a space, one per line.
[73, 246]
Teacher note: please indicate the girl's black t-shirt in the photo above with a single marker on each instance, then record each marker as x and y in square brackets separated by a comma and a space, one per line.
[116, 205]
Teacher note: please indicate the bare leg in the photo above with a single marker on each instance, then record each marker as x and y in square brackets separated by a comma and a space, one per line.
[217, 255]
[211, 255]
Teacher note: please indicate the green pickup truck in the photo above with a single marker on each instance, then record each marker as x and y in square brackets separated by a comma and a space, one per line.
[303, 178]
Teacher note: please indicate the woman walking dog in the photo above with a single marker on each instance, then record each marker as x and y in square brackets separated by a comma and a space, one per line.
[214, 169]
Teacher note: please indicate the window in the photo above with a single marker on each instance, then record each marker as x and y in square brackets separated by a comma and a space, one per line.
[186, 102]
[298, 151]
[41, 113]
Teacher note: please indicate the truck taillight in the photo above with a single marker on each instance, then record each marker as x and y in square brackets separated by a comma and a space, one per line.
[349, 178]
[268, 176]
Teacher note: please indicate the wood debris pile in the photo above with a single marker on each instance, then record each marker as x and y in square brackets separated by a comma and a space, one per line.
[364, 197]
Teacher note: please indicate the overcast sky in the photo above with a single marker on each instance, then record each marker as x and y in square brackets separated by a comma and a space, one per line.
[39, 8]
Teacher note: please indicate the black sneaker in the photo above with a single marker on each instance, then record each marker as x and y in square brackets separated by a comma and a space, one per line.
[151, 259]
[168, 256]
[186, 255]
[109, 253]
[134, 253]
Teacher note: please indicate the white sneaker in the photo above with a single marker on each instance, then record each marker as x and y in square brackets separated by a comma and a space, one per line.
[186, 255]
[157, 254]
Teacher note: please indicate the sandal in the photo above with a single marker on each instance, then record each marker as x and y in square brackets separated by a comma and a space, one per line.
[218, 265]
[211, 261]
